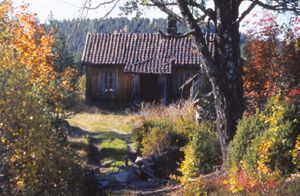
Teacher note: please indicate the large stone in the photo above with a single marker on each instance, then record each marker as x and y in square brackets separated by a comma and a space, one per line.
[125, 177]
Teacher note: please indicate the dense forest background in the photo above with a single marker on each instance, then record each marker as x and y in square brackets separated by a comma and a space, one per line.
[73, 32]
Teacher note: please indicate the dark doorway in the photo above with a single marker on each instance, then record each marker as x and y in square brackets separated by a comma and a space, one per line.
[149, 87]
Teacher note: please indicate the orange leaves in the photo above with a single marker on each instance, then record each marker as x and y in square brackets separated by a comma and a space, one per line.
[34, 47]
[5, 8]
[67, 76]
[24, 43]
[271, 62]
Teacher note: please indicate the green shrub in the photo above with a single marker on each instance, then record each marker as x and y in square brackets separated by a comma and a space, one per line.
[155, 137]
[249, 128]
[264, 144]
[202, 152]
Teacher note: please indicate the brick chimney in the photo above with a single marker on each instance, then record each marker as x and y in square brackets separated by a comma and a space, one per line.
[172, 25]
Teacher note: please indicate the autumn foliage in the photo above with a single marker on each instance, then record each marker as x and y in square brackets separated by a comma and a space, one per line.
[265, 147]
[28, 44]
[272, 61]
[35, 157]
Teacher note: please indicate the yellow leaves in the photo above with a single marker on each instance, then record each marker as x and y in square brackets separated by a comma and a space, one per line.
[3, 140]
[187, 167]
[21, 184]
[28, 43]
[5, 7]
[268, 155]
[232, 181]
[33, 147]
[296, 153]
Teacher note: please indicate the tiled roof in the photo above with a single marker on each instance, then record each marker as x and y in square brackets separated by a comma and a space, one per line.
[139, 52]
[152, 65]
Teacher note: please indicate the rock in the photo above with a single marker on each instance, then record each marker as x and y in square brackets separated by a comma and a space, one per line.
[106, 181]
[125, 177]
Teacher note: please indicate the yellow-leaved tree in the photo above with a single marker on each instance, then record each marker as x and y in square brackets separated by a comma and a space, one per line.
[35, 156]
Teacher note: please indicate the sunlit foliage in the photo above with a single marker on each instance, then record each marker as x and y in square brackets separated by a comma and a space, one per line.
[272, 61]
[35, 156]
[265, 147]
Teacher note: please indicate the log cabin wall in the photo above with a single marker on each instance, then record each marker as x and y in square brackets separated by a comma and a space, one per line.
[124, 85]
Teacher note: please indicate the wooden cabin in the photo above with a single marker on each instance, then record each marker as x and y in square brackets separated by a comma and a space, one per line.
[132, 67]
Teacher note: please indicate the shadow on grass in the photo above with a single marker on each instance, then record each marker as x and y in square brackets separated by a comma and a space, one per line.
[97, 137]
[113, 153]
[92, 158]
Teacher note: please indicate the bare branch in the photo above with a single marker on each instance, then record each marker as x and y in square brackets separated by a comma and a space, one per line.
[88, 6]
[246, 12]
[163, 7]
[207, 12]
[188, 81]
[111, 9]
[97, 6]
[291, 5]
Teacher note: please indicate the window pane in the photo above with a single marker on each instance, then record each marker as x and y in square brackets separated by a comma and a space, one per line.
[108, 83]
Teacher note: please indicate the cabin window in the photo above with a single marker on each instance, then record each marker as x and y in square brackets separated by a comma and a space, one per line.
[108, 83]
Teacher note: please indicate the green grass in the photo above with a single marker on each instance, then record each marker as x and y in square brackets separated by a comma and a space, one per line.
[102, 122]
[114, 153]
[117, 145]
[111, 129]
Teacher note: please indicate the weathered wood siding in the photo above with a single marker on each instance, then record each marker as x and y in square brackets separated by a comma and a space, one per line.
[178, 79]
[126, 92]
[124, 85]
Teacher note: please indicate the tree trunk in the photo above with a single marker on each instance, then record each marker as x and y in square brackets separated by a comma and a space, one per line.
[222, 65]
[228, 89]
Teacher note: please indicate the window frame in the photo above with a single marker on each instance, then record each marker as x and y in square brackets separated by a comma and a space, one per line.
[105, 88]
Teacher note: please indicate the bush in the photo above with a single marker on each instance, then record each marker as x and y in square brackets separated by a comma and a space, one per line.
[81, 88]
[249, 128]
[202, 152]
[156, 137]
[264, 147]
[161, 127]
[36, 158]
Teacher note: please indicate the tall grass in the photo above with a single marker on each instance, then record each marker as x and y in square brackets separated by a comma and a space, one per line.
[183, 110]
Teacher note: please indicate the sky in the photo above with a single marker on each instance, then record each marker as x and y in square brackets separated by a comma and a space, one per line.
[68, 9]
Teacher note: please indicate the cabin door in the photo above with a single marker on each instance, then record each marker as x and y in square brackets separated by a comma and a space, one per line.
[149, 87]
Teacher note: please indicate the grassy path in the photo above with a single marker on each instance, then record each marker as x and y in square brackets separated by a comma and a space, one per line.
[110, 133]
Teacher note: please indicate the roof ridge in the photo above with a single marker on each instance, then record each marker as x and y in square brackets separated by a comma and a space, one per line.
[131, 33]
